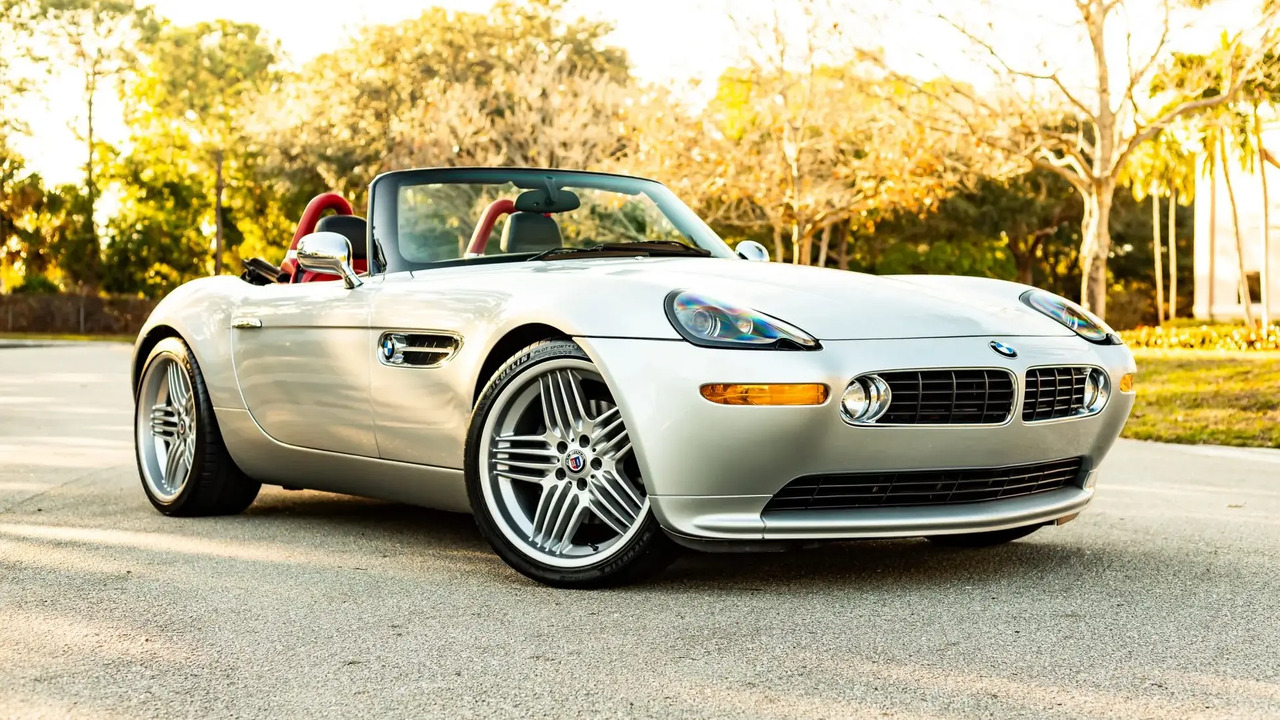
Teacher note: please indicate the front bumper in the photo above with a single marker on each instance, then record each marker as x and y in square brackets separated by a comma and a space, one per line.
[710, 469]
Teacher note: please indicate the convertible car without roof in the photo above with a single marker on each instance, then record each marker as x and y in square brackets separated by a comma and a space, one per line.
[579, 361]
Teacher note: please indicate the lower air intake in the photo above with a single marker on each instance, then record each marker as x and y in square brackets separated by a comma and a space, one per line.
[923, 487]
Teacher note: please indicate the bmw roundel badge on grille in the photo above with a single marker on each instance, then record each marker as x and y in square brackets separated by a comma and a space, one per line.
[1002, 349]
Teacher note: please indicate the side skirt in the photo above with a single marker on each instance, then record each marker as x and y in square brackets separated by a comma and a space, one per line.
[270, 461]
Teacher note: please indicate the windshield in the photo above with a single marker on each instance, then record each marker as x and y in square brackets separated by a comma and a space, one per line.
[450, 216]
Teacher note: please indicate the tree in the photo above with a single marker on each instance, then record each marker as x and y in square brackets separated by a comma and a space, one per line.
[93, 36]
[42, 229]
[16, 17]
[1265, 279]
[155, 239]
[1083, 128]
[355, 103]
[20, 193]
[548, 116]
[1012, 228]
[1162, 167]
[810, 147]
[1263, 90]
[1220, 151]
[202, 81]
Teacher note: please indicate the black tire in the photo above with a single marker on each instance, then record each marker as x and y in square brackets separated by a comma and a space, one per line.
[214, 485]
[983, 539]
[648, 550]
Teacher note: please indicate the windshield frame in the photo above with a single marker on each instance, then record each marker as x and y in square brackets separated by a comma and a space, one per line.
[384, 192]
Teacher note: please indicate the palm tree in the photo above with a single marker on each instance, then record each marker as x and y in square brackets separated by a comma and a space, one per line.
[1226, 125]
[1263, 90]
[1163, 167]
[1218, 136]
[1265, 284]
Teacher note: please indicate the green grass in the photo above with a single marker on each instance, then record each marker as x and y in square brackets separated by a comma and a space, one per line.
[1207, 397]
[67, 336]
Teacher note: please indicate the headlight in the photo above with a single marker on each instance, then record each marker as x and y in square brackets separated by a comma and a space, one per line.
[1072, 316]
[711, 323]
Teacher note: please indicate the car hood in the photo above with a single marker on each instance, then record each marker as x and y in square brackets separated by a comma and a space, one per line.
[829, 304]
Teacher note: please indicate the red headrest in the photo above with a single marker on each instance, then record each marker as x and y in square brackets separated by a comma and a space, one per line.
[307, 225]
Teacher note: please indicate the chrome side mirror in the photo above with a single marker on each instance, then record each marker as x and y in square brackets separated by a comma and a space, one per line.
[328, 253]
[752, 250]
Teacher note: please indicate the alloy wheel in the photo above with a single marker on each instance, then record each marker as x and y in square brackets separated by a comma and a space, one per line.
[557, 466]
[166, 428]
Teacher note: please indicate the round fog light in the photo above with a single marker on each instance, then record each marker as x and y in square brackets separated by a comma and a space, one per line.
[865, 400]
[855, 400]
[1096, 391]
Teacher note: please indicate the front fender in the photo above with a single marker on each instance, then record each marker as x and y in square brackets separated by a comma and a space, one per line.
[200, 313]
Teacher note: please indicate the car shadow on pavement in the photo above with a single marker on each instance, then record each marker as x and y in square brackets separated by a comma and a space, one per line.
[897, 563]
[405, 522]
[902, 564]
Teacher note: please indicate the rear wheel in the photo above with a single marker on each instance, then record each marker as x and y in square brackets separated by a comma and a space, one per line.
[185, 468]
[983, 539]
[552, 476]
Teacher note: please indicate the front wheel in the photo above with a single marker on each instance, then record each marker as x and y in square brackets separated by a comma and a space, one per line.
[185, 468]
[552, 475]
[983, 539]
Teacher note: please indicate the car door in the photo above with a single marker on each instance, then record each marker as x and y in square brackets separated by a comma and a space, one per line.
[302, 355]
[429, 332]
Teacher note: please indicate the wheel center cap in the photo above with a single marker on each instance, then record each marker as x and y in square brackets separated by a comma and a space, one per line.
[576, 461]
[182, 427]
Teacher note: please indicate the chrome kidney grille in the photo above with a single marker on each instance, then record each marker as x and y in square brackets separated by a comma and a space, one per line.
[842, 491]
[948, 397]
[1053, 393]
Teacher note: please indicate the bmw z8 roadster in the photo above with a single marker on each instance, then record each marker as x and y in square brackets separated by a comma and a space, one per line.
[582, 363]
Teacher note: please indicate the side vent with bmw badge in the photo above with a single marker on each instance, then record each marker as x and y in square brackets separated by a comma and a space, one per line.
[418, 350]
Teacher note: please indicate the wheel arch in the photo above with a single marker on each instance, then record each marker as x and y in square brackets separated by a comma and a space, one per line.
[146, 343]
[509, 344]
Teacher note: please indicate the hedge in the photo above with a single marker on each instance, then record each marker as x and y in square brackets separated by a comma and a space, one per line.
[1205, 337]
[73, 314]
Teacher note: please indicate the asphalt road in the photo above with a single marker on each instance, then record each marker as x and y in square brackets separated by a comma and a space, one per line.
[1162, 600]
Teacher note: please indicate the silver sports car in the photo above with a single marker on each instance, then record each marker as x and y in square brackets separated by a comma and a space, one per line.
[579, 361]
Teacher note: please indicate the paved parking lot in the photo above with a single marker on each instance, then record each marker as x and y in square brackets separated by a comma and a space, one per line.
[1162, 600]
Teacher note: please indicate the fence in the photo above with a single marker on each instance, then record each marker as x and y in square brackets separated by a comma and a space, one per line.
[79, 314]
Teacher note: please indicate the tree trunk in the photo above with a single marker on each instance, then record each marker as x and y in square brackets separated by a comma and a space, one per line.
[842, 257]
[1096, 240]
[90, 88]
[1156, 252]
[796, 241]
[778, 251]
[1266, 222]
[1213, 232]
[824, 246]
[1025, 262]
[1095, 248]
[1173, 254]
[217, 212]
[1246, 303]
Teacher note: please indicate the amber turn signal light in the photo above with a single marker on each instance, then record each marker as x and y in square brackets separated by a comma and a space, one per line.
[766, 394]
[1126, 382]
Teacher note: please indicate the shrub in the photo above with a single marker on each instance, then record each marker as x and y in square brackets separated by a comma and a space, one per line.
[1205, 337]
[37, 285]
